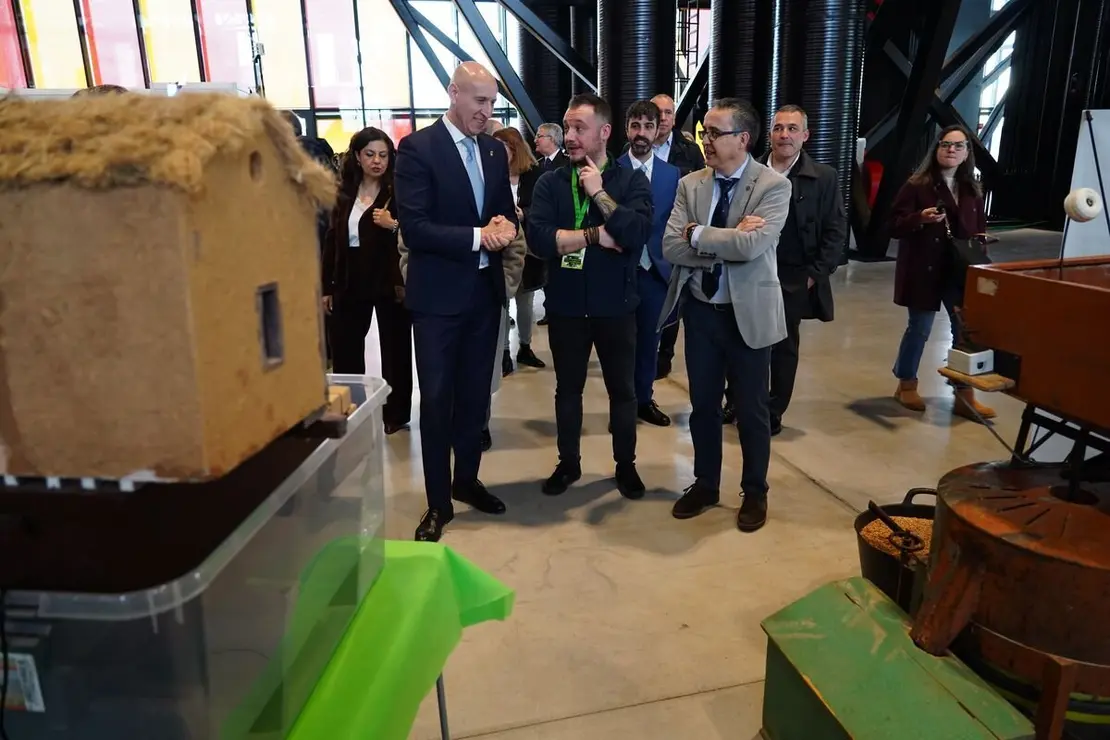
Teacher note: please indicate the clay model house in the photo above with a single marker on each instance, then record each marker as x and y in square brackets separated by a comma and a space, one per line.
[159, 285]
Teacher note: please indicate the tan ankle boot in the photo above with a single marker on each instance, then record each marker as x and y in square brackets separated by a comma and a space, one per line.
[965, 398]
[907, 395]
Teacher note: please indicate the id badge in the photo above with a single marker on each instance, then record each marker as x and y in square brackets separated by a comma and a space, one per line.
[574, 260]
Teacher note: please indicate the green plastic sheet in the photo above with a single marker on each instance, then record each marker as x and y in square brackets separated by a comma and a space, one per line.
[398, 643]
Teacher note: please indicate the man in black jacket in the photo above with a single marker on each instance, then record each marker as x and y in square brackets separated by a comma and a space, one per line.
[809, 247]
[590, 220]
[673, 148]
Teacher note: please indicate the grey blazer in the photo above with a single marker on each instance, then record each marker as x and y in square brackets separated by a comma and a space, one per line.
[750, 257]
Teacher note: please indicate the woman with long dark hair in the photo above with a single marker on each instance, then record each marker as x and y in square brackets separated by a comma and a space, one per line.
[941, 201]
[362, 272]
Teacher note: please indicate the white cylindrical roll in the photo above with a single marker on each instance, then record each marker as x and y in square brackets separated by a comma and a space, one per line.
[1083, 204]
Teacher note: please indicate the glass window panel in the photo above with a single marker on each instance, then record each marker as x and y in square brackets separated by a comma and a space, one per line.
[171, 49]
[397, 124]
[11, 58]
[427, 92]
[113, 42]
[52, 41]
[334, 53]
[226, 42]
[284, 72]
[385, 67]
[469, 42]
[425, 122]
[338, 131]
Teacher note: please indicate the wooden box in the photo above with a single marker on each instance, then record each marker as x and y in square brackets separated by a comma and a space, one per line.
[159, 285]
[1051, 317]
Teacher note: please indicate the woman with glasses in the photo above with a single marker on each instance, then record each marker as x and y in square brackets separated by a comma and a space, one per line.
[942, 200]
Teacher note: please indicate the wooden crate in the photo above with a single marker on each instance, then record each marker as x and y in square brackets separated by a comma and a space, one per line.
[841, 664]
[152, 325]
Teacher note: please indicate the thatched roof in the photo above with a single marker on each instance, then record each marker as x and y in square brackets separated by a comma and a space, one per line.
[110, 141]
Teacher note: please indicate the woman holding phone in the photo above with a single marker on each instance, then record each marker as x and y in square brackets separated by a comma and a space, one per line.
[941, 201]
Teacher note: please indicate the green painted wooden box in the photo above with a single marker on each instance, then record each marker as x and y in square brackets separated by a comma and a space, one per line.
[841, 664]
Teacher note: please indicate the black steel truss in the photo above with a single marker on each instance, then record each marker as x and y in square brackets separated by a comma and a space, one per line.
[404, 12]
[555, 43]
[511, 80]
[924, 77]
[448, 43]
[688, 98]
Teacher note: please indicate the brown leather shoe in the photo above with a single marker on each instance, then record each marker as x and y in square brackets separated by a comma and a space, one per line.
[965, 401]
[907, 395]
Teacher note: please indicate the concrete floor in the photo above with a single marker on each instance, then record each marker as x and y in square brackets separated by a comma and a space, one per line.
[630, 624]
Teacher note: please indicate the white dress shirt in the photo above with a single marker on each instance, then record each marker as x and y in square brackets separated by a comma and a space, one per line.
[353, 220]
[647, 168]
[723, 295]
[459, 137]
[663, 151]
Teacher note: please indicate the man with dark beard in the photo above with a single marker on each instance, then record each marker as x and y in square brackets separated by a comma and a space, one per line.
[653, 273]
[590, 221]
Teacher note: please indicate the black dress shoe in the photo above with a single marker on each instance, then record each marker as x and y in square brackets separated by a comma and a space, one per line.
[628, 481]
[728, 414]
[565, 474]
[753, 513]
[695, 500]
[663, 369]
[487, 441]
[542, 322]
[776, 426]
[392, 427]
[506, 364]
[432, 524]
[476, 495]
[652, 414]
[525, 356]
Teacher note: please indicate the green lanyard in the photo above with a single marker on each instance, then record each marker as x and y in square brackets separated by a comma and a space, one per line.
[581, 205]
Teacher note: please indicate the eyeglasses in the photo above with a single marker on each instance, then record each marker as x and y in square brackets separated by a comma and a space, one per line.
[712, 134]
[958, 146]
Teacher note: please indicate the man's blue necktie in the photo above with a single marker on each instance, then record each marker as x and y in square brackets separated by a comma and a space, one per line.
[711, 280]
[475, 175]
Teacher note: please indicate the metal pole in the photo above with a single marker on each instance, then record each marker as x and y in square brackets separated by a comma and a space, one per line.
[441, 699]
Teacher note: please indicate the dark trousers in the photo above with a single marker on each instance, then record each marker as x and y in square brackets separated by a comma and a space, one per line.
[667, 340]
[784, 368]
[653, 294]
[350, 322]
[715, 350]
[454, 361]
[572, 340]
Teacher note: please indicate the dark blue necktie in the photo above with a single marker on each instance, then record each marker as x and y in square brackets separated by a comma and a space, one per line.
[711, 279]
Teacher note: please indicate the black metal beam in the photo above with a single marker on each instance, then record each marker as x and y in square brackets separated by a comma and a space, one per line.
[143, 61]
[969, 58]
[83, 39]
[944, 113]
[500, 62]
[688, 98]
[24, 48]
[448, 43]
[307, 57]
[993, 118]
[198, 38]
[940, 20]
[404, 12]
[555, 43]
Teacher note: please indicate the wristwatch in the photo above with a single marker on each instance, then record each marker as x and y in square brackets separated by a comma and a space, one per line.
[688, 233]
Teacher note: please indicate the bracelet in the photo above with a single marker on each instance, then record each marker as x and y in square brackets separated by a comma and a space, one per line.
[690, 229]
[593, 236]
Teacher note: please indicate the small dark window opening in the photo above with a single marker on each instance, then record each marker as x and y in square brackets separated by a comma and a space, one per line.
[270, 329]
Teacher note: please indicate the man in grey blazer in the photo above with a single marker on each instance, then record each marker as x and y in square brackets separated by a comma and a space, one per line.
[721, 239]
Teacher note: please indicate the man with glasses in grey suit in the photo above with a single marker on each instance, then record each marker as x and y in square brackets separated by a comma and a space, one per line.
[721, 239]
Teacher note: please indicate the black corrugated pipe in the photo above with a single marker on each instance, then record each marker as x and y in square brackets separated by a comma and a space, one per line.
[741, 54]
[635, 55]
[819, 65]
[583, 37]
[546, 79]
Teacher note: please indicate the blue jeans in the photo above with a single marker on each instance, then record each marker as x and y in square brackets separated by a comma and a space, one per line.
[918, 328]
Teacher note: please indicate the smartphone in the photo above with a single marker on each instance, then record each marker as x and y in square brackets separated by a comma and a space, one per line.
[940, 208]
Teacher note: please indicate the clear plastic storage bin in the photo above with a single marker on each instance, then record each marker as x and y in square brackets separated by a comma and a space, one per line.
[232, 649]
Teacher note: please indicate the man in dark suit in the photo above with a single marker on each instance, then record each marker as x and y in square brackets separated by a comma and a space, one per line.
[641, 121]
[809, 248]
[673, 148]
[456, 214]
[591, 221]
[549, 145]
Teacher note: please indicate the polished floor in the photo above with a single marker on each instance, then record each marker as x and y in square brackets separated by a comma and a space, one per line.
[631, 624]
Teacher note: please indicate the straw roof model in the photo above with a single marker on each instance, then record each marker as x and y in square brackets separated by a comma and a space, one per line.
[104, 142]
